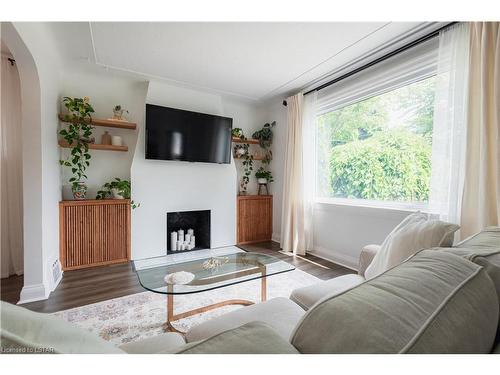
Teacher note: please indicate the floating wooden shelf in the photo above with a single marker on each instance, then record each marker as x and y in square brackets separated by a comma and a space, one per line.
[108, 123]
[254, 158]
[94, 146]
[248, 141]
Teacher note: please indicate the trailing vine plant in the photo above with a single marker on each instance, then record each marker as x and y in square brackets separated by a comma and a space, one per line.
[247, 168]
[77, 134]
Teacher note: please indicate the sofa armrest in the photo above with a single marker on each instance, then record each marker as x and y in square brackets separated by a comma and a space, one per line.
[251, 338]
[165, 343]
[365, 258]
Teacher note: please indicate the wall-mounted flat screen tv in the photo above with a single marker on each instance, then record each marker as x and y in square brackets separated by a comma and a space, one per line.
[175, 134]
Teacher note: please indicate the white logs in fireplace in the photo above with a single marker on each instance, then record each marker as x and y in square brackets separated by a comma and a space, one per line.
[181, 242]
[188, 230]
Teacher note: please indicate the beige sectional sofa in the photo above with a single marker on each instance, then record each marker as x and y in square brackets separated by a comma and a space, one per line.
[442, 300]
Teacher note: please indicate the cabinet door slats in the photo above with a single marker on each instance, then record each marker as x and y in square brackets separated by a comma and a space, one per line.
[255, 218]
[94, 233]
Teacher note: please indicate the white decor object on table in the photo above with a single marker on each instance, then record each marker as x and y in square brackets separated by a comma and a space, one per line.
[179, 278]
[181, 235]
[193, 243]
[187, 238]
[173, 241]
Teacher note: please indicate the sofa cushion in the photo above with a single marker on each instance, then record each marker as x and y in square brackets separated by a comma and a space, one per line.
[24, 331]
[280, 313]
[433, 303]
[483, 248]
[168, 342]
[405, 240]
[251, 338]
[307, 296]
[486, 239]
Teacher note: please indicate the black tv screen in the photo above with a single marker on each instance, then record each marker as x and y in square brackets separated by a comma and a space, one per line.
[174, 134]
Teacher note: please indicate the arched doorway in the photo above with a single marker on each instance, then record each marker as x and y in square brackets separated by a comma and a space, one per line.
[34, 283]
[11, 186]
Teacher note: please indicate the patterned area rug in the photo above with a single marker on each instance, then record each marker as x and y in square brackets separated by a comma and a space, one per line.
[142, 315]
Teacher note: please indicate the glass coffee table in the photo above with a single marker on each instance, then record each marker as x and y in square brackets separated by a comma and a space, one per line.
[170, 276]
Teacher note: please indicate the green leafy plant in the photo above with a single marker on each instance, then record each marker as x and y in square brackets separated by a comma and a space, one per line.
[265, 138]
[265, 135]
[238, 133]
[262, 173]
[77, 134]
[122, 188]
[387, 166]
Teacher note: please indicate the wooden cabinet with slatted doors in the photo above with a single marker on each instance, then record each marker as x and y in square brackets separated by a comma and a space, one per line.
[94, 233]
[255, 218]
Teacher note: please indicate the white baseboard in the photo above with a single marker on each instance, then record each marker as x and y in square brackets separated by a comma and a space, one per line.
[276, 237]
[31, 293]
[350, 262]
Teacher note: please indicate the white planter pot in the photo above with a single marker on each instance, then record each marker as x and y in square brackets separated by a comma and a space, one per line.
[116, 194]
[262, 180]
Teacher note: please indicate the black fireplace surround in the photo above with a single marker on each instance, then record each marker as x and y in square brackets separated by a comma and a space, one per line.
[199, 221]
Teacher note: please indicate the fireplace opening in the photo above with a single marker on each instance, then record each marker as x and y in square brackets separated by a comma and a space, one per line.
[182, 226]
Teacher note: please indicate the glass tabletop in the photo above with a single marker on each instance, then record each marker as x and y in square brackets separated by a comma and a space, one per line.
[159, 275]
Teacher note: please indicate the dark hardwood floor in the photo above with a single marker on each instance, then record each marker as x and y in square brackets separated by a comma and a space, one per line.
[82, 287]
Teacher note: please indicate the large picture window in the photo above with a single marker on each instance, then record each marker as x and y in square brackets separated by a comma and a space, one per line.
[378, 148]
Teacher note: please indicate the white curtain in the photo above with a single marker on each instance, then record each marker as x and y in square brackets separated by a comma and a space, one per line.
[299, 175]
[450, 124]
[481, 199]
[11, 172]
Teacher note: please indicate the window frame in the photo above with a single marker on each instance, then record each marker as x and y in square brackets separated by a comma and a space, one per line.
[430, 64]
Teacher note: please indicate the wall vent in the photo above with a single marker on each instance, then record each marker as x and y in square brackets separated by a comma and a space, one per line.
[56, 270]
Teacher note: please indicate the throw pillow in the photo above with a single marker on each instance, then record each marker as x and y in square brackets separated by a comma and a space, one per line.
[411, 235]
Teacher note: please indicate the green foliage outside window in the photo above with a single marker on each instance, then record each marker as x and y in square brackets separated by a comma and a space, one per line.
[379, 148]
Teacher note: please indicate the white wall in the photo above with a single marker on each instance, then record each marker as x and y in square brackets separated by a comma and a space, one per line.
[105, 90]
[39, 74]
[340, 231]
[275, 111]
[245, 115]
[164, 186]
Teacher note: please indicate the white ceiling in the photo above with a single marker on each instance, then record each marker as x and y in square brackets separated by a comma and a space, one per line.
[251, 60]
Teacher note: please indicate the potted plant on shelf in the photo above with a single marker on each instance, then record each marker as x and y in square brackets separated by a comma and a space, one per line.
[263, 176]
[118, 189]
[78, 134]
[238, 133]
[265, 138]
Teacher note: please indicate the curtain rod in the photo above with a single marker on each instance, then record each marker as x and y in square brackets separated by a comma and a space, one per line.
[380, 59]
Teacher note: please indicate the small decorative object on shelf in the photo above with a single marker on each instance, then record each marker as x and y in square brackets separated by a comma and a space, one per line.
[116, 140]
[106, 138]
[118, 113]
[78, 136]
[181, 240]
[118, 189]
